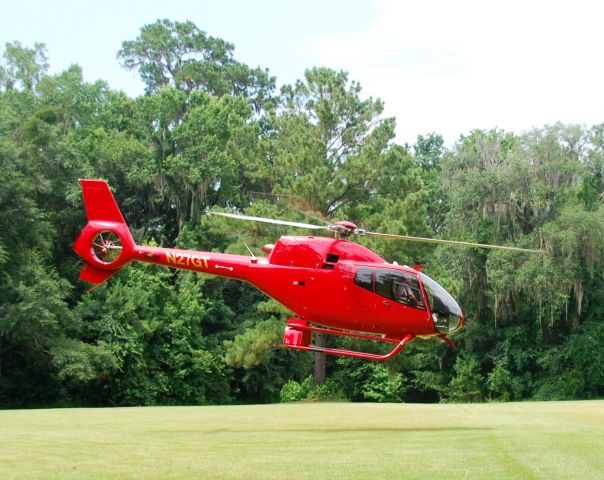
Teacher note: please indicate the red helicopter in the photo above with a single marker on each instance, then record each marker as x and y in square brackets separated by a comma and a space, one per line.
[333, 285]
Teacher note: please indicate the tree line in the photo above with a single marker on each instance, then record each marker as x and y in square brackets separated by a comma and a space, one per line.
[213, 133]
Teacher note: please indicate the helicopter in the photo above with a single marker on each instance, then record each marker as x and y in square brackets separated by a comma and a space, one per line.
[333, 285]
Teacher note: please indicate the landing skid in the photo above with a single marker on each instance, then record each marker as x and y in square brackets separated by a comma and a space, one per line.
[298, 335]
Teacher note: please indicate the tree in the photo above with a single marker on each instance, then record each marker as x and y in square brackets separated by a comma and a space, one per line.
[182, 55]
[177, 53]
[202, 112]
[429, 152]
[329, 140]
[538, 189]
[23, 66]
[34, 314]
[570, 371]
[210, 144]
[467, 385]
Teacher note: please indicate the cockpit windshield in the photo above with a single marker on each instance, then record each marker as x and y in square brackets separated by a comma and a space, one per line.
[446, 313]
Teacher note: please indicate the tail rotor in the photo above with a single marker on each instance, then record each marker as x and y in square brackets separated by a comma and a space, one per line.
[105, 244]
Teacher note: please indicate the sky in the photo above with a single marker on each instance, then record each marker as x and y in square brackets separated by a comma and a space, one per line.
[439, 66]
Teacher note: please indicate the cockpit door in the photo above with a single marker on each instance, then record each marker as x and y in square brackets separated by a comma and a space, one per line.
[402, 304]
[400, 287]
[396, 300]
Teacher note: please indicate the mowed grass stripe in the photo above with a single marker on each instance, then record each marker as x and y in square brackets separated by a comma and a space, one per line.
[307, 440]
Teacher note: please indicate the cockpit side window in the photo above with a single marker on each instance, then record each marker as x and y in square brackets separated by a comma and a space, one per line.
[364, 278]
[401, 287]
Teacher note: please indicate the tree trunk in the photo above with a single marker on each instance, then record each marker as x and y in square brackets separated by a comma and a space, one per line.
[320, 360]
[544, 330]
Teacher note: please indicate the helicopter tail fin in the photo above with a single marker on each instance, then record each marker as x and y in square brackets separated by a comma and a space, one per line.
[105, 244]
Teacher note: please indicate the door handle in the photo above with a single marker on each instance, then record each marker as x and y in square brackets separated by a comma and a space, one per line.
[386, 303]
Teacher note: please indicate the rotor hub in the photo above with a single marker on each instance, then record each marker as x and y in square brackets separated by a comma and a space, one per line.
[106, 247]
[344, 227]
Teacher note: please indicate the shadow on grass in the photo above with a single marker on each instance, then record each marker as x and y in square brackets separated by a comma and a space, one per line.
[320, 429]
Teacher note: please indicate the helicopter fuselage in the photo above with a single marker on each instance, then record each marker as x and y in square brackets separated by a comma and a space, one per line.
[314, 277]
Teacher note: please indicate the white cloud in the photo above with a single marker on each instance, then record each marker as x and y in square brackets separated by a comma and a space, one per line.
[450, 67]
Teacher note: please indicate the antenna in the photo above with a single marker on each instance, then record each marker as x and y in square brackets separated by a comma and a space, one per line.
[250, 250]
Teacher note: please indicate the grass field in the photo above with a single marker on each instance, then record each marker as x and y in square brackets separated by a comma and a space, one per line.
[308, 440]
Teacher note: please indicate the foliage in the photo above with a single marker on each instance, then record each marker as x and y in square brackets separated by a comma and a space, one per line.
[294, 391]
[500, 383]
[182, 55]
[253, 347]
[212, 133]
[369, 381]
[384, 386]
[468, 383]
[573, 370]
[23, 66]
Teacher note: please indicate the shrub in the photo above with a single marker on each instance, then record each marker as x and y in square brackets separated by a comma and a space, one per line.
[294, 391]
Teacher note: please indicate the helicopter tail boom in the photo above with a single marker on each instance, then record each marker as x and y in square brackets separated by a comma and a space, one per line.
[105, 243]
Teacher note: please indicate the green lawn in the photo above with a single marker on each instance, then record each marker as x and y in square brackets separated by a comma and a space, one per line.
[309, 440]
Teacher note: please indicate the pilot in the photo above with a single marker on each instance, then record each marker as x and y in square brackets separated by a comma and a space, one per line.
[403, 292]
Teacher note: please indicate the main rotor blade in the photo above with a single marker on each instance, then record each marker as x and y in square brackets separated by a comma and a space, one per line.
[375, 234]
[270, 220]
[452, 242]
